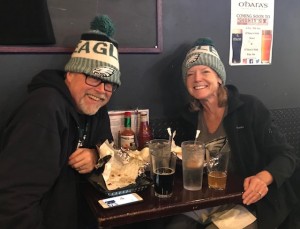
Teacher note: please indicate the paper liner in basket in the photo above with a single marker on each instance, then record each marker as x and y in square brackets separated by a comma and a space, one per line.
[124, 166]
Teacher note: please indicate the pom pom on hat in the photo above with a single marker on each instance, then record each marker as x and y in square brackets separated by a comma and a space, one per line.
[204, 53]
[97, 52]
[203, 41]
[104, 24]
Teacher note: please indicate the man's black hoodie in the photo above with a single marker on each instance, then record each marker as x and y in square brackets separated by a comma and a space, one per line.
[38, 189]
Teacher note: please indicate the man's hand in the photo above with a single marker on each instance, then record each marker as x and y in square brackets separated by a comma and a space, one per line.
[83, 160]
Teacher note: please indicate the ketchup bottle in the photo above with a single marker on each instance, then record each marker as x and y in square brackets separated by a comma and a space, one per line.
[145, 133]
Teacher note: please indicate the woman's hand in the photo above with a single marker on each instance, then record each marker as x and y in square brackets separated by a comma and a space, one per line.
[83, 160]
[256, 187]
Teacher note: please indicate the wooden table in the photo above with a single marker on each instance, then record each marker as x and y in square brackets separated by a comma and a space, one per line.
[153, 207]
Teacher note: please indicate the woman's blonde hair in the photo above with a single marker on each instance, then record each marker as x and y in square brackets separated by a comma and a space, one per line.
[195, 104]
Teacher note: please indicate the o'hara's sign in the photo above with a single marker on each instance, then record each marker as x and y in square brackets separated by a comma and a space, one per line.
[98, 50]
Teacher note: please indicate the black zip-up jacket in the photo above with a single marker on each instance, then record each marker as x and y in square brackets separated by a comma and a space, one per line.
[38, 189]
[256, 145]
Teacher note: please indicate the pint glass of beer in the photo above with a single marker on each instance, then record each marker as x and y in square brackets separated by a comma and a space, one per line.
[163, 164]
[266, 41]
[236, 41]
[217, 163]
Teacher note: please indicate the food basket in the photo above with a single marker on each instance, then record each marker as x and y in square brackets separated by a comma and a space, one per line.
[142, 182]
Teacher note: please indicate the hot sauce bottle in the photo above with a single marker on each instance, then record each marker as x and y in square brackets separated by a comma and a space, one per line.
[127, 135]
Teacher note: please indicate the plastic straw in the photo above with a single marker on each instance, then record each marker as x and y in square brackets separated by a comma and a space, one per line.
[169, 131]
[170, 137]
[197, 135]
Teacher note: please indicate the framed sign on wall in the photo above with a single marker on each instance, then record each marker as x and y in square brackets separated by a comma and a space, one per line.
[138, 25]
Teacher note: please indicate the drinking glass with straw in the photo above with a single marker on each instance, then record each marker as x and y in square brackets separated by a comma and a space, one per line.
[192, 163]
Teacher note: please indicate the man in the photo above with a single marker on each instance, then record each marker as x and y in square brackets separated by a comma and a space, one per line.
[50, 139]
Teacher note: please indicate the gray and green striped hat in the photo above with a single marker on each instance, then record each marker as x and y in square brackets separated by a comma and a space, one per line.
[97, 53]
[204, 53]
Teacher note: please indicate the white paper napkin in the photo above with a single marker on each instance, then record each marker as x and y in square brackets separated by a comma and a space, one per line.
[236, 218]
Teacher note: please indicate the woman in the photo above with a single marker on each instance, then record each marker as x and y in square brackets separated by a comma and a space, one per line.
[259, 152]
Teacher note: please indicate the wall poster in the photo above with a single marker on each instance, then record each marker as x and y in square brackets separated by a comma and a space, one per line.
[251, 32]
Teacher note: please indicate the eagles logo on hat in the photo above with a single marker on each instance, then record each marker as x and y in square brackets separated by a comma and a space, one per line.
[204, 53]
[97, 52]
[193, 59]
[103, 72]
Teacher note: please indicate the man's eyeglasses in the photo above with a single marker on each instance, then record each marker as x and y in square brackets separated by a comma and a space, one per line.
[95, 82]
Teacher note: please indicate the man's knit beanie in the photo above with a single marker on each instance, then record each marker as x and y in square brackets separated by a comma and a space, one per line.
[97, 52]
